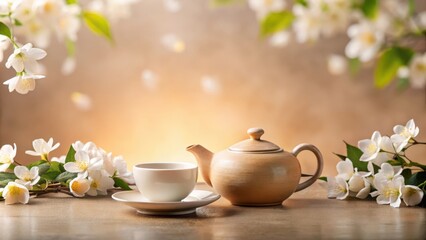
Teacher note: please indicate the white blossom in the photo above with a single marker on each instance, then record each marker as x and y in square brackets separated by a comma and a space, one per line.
[412, 195]
[403, 134]
[337, 188]
[308, 23]
[25, 58]
[117, 166]
[263, 7]
[60, 159]
[99, 183]
[387, 172]
[370, 147]
[388, 191]
[418, 71]
[359, 185]
[22, 83]
[7, 154]
[4, 44]
[114, 9]
[79, 186]
[15, 193]
[68, 23]
[356, 181]
[83, 163]
[365, 42]
[27, 177]
[42, 148]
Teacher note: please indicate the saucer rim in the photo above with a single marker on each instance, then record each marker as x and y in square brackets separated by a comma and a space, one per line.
[166, 208]
[116, 197]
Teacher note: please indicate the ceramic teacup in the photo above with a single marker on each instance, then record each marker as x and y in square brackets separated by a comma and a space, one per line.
[165, 181]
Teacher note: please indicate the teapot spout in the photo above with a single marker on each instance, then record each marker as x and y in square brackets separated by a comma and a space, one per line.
[204, 158]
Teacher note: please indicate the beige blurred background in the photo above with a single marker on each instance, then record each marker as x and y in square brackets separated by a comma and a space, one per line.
[225, 81]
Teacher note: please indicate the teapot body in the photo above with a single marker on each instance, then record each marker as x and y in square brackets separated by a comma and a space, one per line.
[255, 172]
[255, 179]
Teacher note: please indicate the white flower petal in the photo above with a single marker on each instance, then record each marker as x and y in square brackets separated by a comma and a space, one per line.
[72, 167]
[34, 172]
[412, 195]
[81, 156]
[79, 186]
[356, 183]
[32, 153]
[345, 169]
[363, 193]
[396, 203]
[38, 145]
[381, 199]
[21, 171]
[12, 83]
[36, 53]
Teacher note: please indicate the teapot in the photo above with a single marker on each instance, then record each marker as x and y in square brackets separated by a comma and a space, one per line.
[255, 172]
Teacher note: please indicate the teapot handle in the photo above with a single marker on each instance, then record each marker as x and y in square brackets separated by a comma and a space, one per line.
[320, 164]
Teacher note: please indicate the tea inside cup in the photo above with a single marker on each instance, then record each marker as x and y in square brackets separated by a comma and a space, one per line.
[165, 181]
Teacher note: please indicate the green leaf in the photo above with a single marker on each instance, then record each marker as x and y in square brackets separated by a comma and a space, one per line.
[275, 22]
[37, 163]
[7, 175]
[342, 157]
[69, 2]
[403, 83]
[70, 155]
[17, 22]
[4, 182]
[11, 167]
[43, 168]
[323, 178]
[389, 63]
[411, 7]
[56, 167]
[65, 176]
[406, 173]
[118, 182]
[302, 2]
[220, 3]
[50, 175]
[354, 154]
[98, 24]
[370, 8]
[5, 30]
[375, 168]
[354, 65]
[70, 45]
[42, 165]
[416, 179]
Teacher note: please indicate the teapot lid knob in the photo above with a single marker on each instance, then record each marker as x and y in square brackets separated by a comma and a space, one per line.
[255, 133]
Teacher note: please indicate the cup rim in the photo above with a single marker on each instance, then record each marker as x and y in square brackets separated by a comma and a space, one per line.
[156, 166]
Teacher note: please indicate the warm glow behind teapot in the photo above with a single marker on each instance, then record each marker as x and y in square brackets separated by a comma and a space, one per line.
[255, 172]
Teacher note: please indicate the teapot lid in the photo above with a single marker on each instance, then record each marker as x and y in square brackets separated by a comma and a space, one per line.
[255, 144]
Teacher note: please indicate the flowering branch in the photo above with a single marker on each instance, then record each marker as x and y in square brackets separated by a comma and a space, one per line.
[379, 168]
[37, 20]
[387, 31]
[85, 170]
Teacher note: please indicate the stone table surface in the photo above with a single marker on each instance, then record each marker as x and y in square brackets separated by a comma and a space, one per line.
[305, 215]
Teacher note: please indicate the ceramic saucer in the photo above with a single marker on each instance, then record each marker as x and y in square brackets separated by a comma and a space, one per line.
[196, 198]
